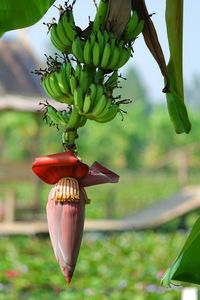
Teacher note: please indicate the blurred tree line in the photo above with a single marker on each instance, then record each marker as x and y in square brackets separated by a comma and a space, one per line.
[133, 141]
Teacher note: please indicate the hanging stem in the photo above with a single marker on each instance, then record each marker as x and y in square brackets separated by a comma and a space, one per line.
[70, 133]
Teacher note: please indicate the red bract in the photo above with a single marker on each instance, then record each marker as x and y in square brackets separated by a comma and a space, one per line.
[51, 168]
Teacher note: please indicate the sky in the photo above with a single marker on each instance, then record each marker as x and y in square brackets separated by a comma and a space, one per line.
[142, 59]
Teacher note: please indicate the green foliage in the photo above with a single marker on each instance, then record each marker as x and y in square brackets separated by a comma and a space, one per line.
[185, 268]
[19, 14]
[163, 139]
[109, 267]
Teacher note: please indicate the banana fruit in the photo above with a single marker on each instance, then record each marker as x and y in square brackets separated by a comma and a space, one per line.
[102, 50]
[57, 84]
[133, 28]
[85, 84]
[64, 32]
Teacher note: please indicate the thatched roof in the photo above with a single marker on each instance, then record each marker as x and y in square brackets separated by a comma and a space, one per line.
[16, 64]
[20, 89]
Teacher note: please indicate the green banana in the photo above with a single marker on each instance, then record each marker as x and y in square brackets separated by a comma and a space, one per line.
[105, 110]
[100, 40]
[99, 106]
[92, 39]
[55, 40]
[82, 121]
[138, 29]
[100, 15]
[99, 93]
[106, 56]
[112, 43]
[78, 71]
[96, 54]
[68, 70]
[130, 26]
[72, 82]
[93, 89]
[111, 114]
[49, 87]
[46, 87]
[65, 80]
[78, 50]
[74, 118]
[62, 35]
[84, 80]
[112, 80]
[99, 76]
[87, 52]
[78, 99]
[114, 58]
[61, 79]
[125, 55]
[54, 85]
[65, 115]
[87, 102]
[69, 25]
[55, 116]
[106, 37]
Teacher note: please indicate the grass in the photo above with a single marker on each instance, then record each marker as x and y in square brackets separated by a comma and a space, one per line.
[118, 266]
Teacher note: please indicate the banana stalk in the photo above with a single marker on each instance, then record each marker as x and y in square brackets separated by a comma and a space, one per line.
[119, 12]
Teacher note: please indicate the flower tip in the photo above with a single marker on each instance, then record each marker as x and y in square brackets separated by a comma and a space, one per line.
[68, 279]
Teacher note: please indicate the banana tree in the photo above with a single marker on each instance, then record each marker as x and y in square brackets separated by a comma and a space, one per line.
[87, 89]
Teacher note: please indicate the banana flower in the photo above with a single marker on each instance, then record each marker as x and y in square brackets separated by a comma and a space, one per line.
[66, 202]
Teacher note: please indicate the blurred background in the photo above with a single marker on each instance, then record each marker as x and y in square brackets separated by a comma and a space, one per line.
[158, 171]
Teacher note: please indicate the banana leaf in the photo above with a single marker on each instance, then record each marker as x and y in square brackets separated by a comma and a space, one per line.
[186, 267]
[175, 99]
[22, 13]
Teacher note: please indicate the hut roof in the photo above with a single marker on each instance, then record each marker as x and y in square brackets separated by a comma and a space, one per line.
[16, 64]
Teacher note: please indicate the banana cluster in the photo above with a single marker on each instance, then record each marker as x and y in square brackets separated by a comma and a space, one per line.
[63, 34]
[96, 104]
[133, 28]
[103, 50]
[82, 81]
[58, 85]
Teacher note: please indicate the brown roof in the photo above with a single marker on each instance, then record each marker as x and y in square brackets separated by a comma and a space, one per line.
[16, 64]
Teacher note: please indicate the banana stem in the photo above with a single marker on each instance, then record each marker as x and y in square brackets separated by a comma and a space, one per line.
[70, 133]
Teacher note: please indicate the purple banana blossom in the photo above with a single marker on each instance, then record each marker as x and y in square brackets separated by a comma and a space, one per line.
[66, 202]
[65, 223]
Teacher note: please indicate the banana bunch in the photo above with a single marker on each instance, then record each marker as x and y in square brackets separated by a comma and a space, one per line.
[63, 34]
[96, 104]
[133, 28]
[102, 50]
[55, 117]
[81, 77]
[58, 85]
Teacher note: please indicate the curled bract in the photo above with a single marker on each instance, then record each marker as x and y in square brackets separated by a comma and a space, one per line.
[51, 168]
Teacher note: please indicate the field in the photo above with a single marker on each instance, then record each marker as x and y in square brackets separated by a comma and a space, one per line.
[116, 266]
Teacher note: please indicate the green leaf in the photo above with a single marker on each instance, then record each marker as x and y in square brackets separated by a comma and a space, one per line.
[22, 13]
[186, 266]
[175, 99]
[176, 107]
